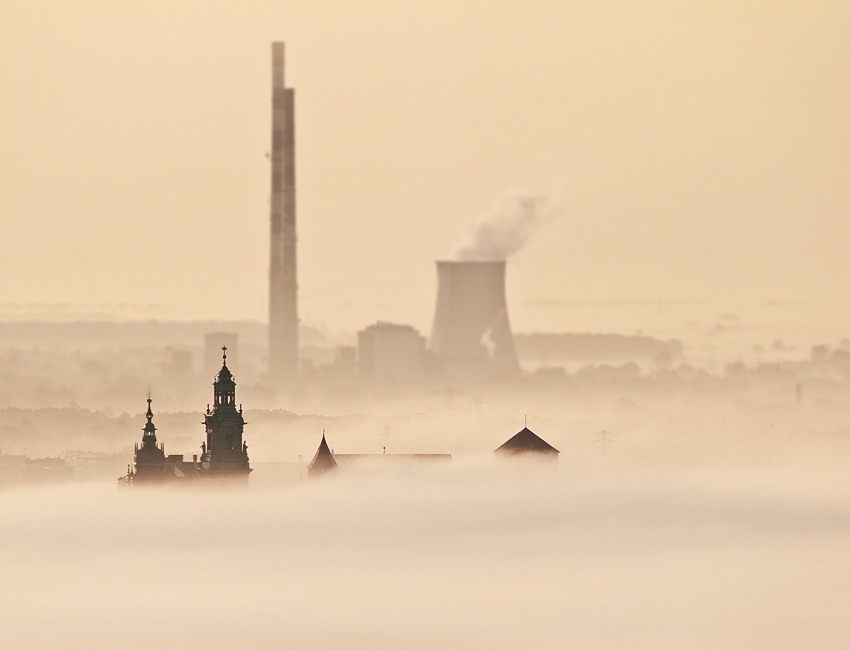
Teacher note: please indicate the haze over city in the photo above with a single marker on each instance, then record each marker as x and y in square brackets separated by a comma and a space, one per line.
[382, 325]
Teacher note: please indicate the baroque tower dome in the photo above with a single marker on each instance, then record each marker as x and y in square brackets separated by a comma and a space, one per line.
[225, 454]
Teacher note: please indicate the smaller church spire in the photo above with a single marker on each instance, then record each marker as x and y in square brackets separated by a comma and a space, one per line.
[150, 429]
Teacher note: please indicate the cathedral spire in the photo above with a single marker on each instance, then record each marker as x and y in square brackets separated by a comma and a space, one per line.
[225, 452]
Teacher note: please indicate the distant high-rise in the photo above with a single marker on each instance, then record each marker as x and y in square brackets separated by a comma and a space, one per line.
[283, 286]
[388, 352]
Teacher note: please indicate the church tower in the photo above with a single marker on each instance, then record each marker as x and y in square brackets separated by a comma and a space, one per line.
[225, 454]
[149, 459]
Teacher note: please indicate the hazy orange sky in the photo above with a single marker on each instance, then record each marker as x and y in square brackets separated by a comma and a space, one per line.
[698, 150]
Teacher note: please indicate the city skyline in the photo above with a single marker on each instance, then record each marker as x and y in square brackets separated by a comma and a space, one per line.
[568, 346]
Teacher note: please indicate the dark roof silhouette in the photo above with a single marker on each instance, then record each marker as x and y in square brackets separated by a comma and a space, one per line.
[323, 461]
[527, 440]
[392, 458]
[224, 377]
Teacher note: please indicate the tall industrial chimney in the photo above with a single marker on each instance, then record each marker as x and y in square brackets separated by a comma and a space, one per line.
[471, 330]
[283, 287]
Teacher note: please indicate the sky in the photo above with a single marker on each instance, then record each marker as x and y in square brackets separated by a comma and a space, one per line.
[697, 152]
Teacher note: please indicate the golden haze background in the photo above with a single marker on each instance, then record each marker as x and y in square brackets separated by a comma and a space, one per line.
[699, 152]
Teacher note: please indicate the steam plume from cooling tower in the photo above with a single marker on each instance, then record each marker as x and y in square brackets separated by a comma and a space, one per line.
[506, 227]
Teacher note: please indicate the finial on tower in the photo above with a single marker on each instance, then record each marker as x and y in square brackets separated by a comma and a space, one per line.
[224, 354]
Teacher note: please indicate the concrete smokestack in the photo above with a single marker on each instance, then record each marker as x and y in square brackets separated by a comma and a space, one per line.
[283, 286]
[471, 327]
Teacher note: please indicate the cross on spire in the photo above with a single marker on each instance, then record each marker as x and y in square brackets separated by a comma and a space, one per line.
[224, 353]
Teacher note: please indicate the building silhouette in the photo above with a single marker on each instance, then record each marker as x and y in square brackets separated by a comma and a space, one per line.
[149, 459]
[326, 461]
[384, 458]
[323, 462]
[225, 453]
[387, 353]
[527, 444]
[15, 469]
[151, 465]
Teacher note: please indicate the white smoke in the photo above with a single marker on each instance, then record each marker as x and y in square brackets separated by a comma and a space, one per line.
[488, 342]
[505, 228]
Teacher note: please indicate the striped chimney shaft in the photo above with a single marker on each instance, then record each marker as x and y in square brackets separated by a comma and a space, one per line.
[283, 287]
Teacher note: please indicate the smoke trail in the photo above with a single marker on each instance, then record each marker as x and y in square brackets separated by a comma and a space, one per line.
[505, 228]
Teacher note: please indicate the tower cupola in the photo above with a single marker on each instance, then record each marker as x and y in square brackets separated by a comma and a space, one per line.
[224, 388]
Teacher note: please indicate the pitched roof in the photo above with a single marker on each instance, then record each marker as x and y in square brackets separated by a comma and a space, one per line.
[527, 440]
[323, 460]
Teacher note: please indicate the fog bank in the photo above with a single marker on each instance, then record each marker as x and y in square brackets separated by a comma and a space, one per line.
[438, 558]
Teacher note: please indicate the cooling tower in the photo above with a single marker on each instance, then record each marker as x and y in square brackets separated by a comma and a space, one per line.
[471, 325]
